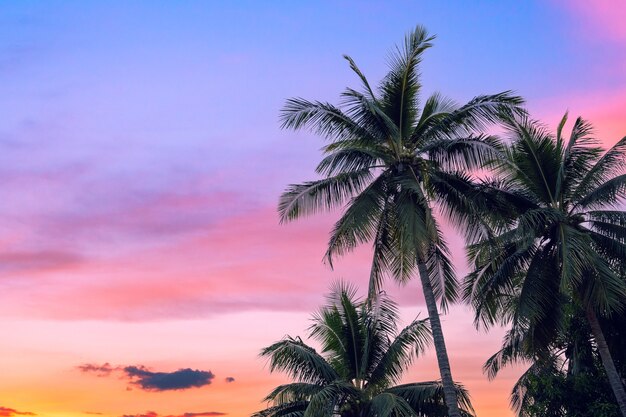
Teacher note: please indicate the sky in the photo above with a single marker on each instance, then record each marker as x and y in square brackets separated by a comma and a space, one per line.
[142, 264]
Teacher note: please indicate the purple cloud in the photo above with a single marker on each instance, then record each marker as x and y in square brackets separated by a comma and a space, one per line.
[165, 381]
[147, 380]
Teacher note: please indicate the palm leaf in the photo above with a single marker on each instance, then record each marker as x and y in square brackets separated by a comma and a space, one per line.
[299, 361]
[293, 409]
[611, 163]
[387, 404]
[411, 342]
[359, 223]
[475, 116]
[325, 194]
[442, 276]
[427, 398]
[323, 118]
[400, 87]
[291, 393]
[606, 194]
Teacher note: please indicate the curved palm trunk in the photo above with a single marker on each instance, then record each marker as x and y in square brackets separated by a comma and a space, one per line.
[440, 345]
[607, 361]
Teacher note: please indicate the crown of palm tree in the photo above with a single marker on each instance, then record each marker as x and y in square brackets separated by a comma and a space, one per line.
[563, 234]
[559, 243]
[362, 357]
[388, 160]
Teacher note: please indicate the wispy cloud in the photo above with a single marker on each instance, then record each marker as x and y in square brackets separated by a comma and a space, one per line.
[98, 370]
[11, 412]
[18, 262]
[154, 414]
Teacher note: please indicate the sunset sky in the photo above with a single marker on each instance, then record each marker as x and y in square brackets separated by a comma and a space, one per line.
[142, 266]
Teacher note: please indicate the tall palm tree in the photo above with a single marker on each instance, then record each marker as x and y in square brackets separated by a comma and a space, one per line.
[564, 240]
[388, 161]
[362, 357]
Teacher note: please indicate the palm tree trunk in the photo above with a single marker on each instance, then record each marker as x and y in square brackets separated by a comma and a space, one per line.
[449, 391]
[607, 361]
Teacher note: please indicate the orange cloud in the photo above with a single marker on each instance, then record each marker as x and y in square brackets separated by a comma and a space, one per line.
[10, 412]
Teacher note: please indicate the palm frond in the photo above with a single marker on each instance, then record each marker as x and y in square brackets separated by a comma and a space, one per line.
[348, 159]
[608, 240]
[539, 291]
[325, 401]
[609, 165]
[514, 349]
[411, 342]
[464, 203]
[358, 72]
[370, 114]
[534, 158]
[492, 283]
[293, 409]
[605, 290]
[293, 392]
[607, 194]
[473, 117]
[464, 153]
[578, 157]
[387, 404]
[360, 221]
[320, 195]
[521, 402]
[384, 251]
[435, 108]
[427, 398]
[299, 361]
[322, 118]
[399, 90]
[442, 276]
[575, 255]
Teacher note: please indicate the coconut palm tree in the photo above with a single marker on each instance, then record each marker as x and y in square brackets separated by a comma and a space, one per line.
[564, 240]
[565, 378]
[388, 162]
[362, 357]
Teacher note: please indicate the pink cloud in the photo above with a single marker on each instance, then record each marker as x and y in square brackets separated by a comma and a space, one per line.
[24, 262]
[245, 262]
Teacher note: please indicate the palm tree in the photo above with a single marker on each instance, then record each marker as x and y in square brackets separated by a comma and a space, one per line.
[564, 239]
[362, 357]
[565, 378]
[389, 161]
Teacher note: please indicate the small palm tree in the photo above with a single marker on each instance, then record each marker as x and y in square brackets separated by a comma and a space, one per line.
[362, 357]
[563, 240]
[389, 161]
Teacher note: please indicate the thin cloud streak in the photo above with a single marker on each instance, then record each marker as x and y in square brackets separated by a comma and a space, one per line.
[11, 412]
[200, 414]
